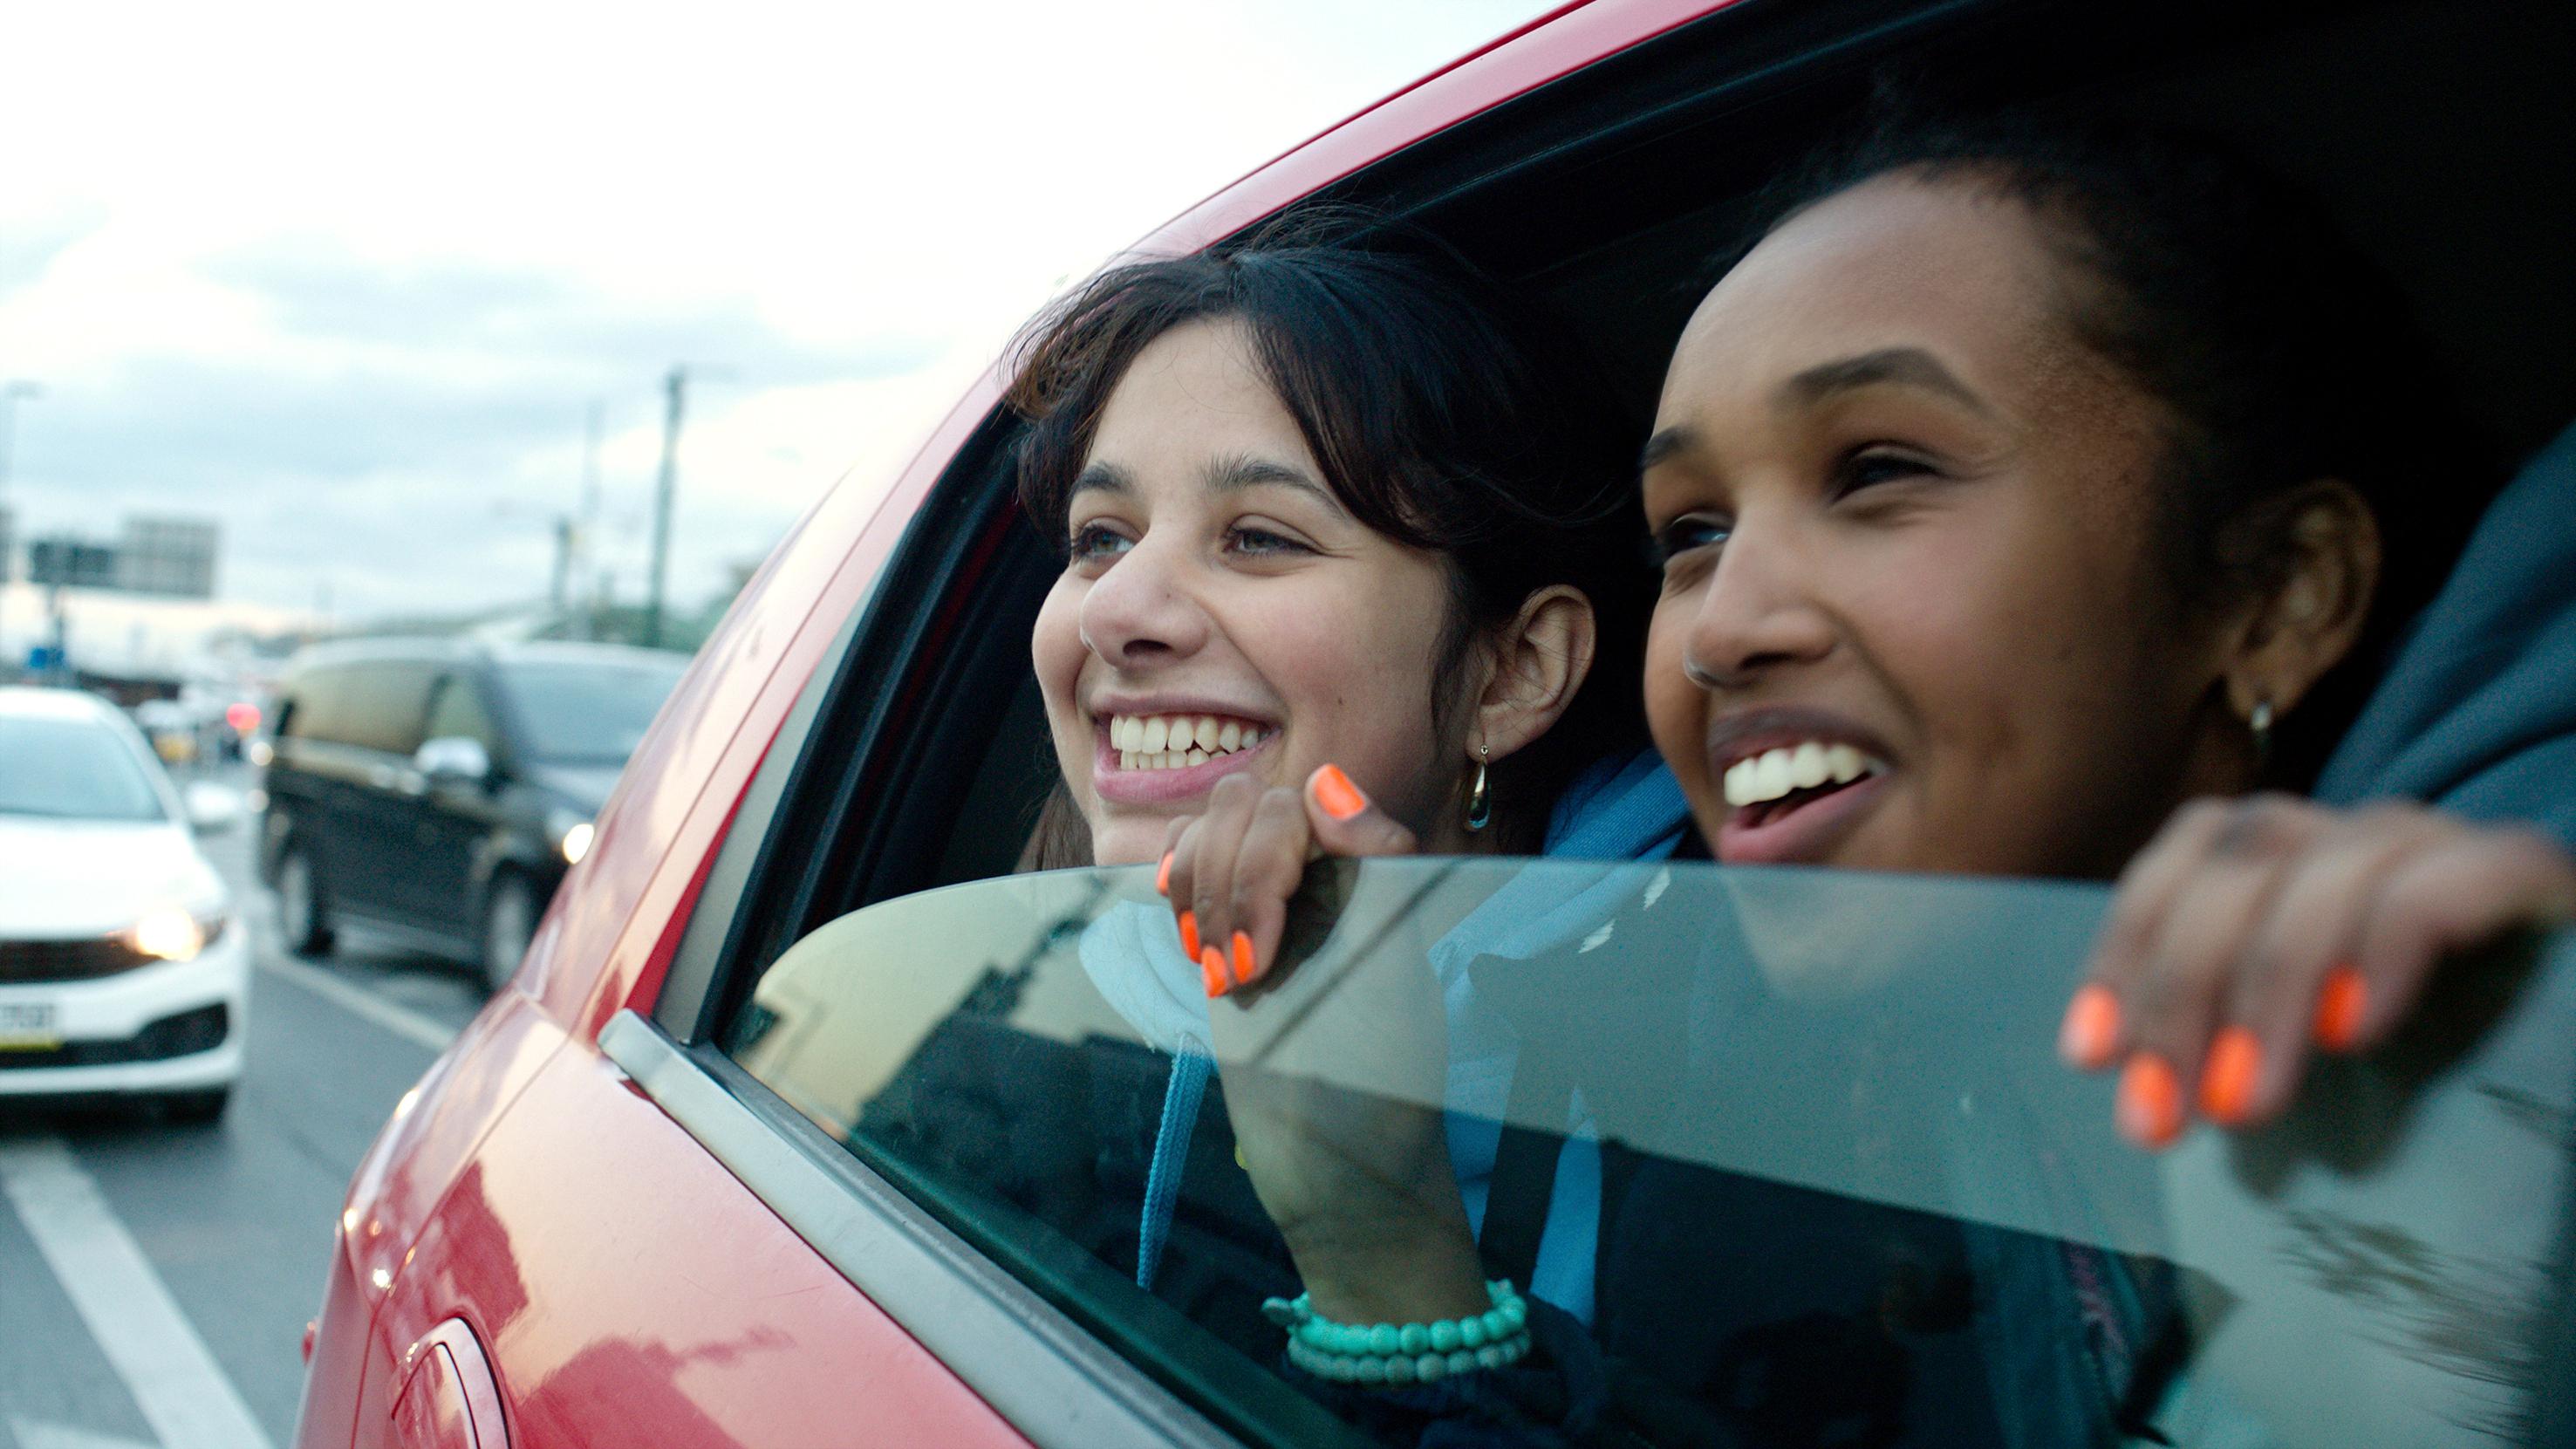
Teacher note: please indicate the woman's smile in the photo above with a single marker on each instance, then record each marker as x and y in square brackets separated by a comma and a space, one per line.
[1158, 757]
[1794, 781]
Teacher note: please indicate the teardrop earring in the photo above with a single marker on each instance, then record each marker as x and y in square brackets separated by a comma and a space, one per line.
[2259, 722]
[1480, 805]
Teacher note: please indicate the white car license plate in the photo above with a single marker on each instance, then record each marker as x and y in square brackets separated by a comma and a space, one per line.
[28, 1026]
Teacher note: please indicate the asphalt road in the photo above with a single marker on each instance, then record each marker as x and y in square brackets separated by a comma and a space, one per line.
[231, 1222]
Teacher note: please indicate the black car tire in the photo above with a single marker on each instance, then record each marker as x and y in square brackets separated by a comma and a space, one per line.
[302, 913]
[510, 911]
[196, 1109]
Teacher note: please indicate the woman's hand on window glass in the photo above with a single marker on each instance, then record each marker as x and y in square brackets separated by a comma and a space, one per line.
[1334, 1075]
[2251, 930]
[1230, 872]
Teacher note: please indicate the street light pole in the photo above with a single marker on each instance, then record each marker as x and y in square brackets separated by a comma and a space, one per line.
[586, 526]
[663, 488]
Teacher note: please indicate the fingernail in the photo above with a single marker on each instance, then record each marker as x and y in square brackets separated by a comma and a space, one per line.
[1212, 973]
[2091, 1029]
[1243, 963]
[2339, 1004]
[2227, 1081]
[1163, 877]
[1334, 791]
[2150, 1109]
[1190, 934]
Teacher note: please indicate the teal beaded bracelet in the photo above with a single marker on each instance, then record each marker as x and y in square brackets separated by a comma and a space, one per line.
[1406, 1353]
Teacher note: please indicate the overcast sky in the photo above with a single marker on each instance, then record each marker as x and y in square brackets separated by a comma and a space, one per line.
[345, 278]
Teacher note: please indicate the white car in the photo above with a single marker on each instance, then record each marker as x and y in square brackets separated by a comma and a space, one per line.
[123, 970]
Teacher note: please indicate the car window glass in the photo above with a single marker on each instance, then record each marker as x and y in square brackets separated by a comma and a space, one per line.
[456, 712]
[1808, 1156]
[313, 706]
[72, 770]
[587, 713]
[380, 706]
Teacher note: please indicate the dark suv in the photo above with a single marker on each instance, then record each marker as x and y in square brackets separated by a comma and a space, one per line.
[438, 791]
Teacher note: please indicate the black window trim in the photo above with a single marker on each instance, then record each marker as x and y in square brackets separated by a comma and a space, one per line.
[832, 743]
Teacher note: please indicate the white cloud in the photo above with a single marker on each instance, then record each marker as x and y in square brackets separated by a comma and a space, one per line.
[298, 265]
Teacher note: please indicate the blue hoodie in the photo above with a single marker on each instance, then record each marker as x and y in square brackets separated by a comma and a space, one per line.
[2477, 711]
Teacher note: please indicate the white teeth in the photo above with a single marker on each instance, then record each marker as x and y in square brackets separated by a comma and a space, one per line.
[1173, 742]
[1845, 764]
[1804, 766]
[1771, 776]
[1807, 768]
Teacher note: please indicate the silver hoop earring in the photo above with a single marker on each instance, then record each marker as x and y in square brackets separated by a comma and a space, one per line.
[1480, 805]
[2259, 721]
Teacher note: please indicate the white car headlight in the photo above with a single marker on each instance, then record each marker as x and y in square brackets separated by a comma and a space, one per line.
[572, 835]
[173, 934]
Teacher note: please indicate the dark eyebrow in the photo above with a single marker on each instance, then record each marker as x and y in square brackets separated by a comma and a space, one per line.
[1665, 445]
[1106, 477]
[1901, 366]
[1242, 470]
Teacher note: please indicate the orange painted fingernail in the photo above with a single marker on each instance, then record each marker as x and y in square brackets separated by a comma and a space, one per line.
[2091, 1028]
[2339, 1004]
[1334, 791]
[1163, 877]
[2227, 1081]
[1243, 963]
[1190, 934]
[1212, 973]
[2150, 1110]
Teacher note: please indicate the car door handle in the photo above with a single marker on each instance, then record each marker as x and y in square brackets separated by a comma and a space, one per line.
[451, 1400]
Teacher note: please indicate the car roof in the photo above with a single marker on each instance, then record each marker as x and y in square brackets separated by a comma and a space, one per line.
[454, 651]
[29, 702]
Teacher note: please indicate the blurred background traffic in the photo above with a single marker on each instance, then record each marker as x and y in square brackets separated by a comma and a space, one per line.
[390, 402]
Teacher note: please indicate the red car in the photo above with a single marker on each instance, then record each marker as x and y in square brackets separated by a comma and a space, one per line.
[799, 1125]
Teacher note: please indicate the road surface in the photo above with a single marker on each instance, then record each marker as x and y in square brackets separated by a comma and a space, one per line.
[155, 1280]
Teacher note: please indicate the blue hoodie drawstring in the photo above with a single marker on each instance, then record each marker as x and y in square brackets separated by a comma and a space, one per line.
[1181, 1099]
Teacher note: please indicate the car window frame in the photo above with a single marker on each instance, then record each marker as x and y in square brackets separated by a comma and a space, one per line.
[463, 677]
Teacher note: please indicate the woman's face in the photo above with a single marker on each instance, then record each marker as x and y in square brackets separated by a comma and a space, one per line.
[1912, 614]
[1222, 612]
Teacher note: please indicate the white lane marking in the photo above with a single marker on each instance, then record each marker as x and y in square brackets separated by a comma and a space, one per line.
[165, 1365]
[400, 1020]
[32, 1435]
